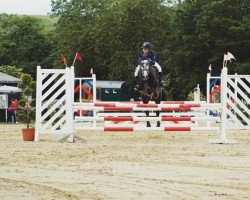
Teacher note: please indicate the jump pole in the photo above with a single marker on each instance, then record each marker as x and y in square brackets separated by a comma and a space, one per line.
[223, 132]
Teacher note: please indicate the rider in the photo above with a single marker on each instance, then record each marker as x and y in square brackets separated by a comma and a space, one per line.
[148, 54]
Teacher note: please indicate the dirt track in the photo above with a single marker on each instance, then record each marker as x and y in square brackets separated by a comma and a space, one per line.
[180, 165]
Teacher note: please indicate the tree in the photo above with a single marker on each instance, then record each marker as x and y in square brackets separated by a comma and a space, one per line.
[109, 33]
[26, 114]
[11, 70]
[22, 43]
[204, 31]
[187, 36]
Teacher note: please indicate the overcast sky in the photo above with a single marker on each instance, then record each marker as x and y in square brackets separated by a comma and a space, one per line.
[25, 7]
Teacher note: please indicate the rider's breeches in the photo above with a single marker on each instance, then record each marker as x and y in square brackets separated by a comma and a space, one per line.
[156, 65]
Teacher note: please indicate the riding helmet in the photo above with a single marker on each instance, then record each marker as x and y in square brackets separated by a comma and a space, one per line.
[146, 45]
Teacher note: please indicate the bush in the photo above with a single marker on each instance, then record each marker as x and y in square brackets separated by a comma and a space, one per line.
[26, 113]
[191, 96]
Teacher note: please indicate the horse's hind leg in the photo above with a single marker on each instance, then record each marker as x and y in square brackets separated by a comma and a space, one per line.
[148, 123]
[158, 122]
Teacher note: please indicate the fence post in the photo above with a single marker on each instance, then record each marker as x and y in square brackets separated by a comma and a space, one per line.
[38, 103]
[223, 132]
[208, 96]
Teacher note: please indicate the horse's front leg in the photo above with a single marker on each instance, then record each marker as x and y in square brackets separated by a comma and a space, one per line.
[145, 100]
[148, 122]
[158, 122]
[158, 101]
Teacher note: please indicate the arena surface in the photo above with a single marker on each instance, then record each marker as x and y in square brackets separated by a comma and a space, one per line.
[124, 165]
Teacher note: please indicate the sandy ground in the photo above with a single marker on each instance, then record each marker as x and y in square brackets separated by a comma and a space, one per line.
[123, 165]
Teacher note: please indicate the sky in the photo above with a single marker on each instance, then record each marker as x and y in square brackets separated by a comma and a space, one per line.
[25, 7]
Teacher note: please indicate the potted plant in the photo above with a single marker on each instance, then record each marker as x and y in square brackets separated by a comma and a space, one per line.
[26, 111]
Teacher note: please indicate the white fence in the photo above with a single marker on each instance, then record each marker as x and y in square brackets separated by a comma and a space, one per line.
[56, 106]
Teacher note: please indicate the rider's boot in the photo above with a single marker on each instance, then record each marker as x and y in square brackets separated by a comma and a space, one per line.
[162, 83]
[137, 83]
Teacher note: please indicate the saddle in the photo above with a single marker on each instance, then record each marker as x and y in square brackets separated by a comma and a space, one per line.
[157, 73]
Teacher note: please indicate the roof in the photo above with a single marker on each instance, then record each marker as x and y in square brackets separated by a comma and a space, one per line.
[106, 84]
[5, 78]
[109, 84]
[9, 89]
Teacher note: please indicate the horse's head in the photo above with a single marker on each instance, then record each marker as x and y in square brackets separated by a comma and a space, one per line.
[144, 68]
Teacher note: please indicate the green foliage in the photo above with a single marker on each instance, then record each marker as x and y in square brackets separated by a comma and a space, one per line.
[47, 22]
[167, 90]
[26, 114]
[191, 96]
[11, 70]
[216, 97]
[187, 36]
[247, 104]
[204, 31]
[22, 43]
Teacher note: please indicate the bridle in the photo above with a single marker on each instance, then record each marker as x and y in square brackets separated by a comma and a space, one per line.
[144, 67]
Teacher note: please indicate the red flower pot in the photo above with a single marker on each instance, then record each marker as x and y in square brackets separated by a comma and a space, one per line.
[28, 134]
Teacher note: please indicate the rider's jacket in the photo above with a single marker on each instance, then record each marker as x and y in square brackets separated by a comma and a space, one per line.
[150, 56]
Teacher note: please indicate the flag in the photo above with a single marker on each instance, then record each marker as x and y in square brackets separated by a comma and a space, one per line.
[78, 56]
[91, 71]
[64, 60]
[210, 67]
[230, 56]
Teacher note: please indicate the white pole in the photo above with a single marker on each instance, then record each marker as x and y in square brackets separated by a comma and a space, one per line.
[208, 87]
[197, 97]
[69, 103]
[6, 115]
[224, 61]
[236, 88]
[72, 82]
[80, 90]
[223, 132]
[74, 60]
[38, 103]
[94, 96]
[208, 95]
[94, 87]
[6, 107]
[223, 136]
[197, 94]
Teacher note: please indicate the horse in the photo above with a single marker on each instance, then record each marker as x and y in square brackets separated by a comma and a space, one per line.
[149, 86]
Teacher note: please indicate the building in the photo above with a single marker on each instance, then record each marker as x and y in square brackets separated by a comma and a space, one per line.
[9, 90]
[109, 90]
[105, 91]
[6, 79]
